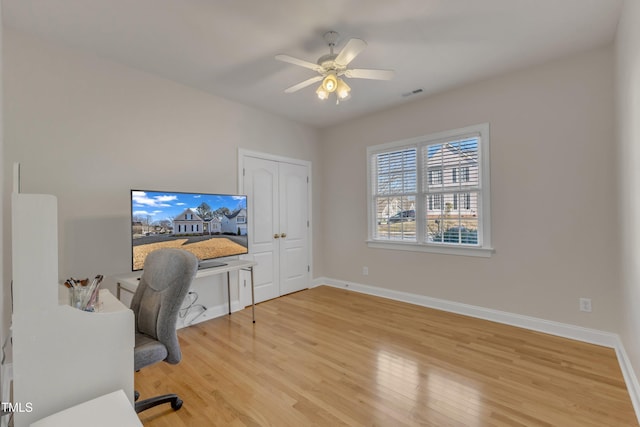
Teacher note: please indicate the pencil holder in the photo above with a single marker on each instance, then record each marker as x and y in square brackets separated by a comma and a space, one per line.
[80, 296]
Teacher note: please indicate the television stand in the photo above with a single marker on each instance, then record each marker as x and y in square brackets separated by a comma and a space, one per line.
[129, 283]
[210, 264]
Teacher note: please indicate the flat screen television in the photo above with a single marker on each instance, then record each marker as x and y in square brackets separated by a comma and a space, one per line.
[211, 226]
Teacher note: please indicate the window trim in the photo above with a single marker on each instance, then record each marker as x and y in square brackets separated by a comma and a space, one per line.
[484, 225]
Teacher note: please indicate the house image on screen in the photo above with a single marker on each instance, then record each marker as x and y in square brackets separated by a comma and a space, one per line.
[212, 226]
[235, 223]
[188, 222]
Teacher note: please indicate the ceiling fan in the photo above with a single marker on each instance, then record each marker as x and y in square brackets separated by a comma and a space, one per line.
[333, 66]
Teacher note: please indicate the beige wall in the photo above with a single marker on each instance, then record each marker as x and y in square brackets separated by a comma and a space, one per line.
[87, 131]
[553, 183]
[628, 138]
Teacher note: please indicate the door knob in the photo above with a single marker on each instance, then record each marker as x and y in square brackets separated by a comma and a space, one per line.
[283, 235]
[276, 236]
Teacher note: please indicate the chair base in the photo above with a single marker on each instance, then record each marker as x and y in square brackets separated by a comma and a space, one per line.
[143, 405]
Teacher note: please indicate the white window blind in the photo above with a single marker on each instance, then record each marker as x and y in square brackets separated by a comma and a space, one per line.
[395, 186]
[452, 214]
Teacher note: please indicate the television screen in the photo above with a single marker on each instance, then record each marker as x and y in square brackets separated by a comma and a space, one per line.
[208, 225]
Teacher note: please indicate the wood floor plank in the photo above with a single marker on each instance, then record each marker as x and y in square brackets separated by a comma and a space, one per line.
[331, 357]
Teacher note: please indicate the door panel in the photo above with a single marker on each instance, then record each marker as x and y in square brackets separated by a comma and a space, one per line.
[293, 262]
[263, 274]
[261, 187]
[264, 183]
[294, 274]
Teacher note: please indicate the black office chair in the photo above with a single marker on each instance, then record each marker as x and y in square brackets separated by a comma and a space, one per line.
[165, 282]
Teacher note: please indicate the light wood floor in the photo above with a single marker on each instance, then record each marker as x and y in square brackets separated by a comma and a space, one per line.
[329, 357]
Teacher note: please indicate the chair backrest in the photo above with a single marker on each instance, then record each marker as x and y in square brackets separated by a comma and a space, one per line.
[165, 282]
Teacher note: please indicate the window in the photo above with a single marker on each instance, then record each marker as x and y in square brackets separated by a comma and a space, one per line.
[435, 176]
[465, 173]
[431, 193]
[435, 201]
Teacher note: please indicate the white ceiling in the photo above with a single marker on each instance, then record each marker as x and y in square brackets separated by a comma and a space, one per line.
[227, 47]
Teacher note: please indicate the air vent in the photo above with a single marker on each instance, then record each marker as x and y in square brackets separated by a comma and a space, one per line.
[413, 92]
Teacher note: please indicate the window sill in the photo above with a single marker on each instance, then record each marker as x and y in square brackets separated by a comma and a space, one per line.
[435, 249]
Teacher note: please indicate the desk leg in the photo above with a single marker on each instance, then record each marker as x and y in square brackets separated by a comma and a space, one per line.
[253, 298]
[229, 290]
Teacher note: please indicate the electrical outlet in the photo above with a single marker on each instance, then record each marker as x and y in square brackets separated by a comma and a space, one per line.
[365, 271]
[585, 304]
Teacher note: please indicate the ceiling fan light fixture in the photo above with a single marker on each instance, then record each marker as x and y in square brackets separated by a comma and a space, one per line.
[330, 83]
[322, 94]
[343, 89]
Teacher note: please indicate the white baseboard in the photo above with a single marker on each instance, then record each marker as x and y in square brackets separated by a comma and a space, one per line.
[630, 377]
[592, 336]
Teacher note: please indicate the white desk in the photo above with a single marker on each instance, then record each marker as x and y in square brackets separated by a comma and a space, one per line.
[113, 409]
[130, 283]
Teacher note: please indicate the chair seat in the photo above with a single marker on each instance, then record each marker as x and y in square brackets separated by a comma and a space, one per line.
[148, 351]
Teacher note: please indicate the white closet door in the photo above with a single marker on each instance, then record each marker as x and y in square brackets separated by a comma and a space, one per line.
[261, 188]
[294, 258]
[278, 200]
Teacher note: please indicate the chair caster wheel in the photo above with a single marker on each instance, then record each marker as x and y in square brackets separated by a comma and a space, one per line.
[177, 404]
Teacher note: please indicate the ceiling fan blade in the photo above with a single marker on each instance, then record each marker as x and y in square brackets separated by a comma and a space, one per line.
[299, 62]
[303, 84]
[362, 73]
[350, 51]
